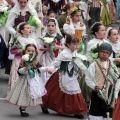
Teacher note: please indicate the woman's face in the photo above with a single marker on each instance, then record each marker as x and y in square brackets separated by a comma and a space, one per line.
[23, 3]
[51, 27]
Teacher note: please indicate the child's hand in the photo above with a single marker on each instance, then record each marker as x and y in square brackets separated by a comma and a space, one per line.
[97, 88]
[81, 24]
[81, 74]
[68, 20]
[20, 50]
[49, 70]
[27, 68]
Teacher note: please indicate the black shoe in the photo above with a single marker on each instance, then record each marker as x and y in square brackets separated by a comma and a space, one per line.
[45, 110]
[79, 116]
[23, 112]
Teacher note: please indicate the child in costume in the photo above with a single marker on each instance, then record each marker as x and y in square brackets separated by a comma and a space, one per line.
[29, 87]
[63, 88]
[113, 37]
[51, 52]
[16, 50]
[50, 14]
[105, 75]
[73, 25]
[98, 30]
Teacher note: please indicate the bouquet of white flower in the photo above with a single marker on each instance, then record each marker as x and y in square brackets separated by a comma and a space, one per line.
[49, 42]
[94, 52]
[29, 61]
[4, 11]
[14, 42]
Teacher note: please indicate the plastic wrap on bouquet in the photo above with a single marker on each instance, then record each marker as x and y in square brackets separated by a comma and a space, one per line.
[14, 42]
[81, 65]
[34, 21]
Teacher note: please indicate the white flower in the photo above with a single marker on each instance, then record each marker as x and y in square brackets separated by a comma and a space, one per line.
[3, 9]
[82, 57]
[48, 40]
[25, 57]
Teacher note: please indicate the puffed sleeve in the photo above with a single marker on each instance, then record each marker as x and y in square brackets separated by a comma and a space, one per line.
[88, 80]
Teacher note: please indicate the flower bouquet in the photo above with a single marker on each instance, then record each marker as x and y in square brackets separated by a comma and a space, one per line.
[49, 42]
[30, 60]
[14, 42]
[4, 11]
[94, 52]
[34, 21]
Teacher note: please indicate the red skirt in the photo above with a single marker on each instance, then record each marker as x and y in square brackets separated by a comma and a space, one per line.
[116, 112]
[62, 102]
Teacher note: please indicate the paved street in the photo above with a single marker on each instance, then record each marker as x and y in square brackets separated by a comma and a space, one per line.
[11, 112]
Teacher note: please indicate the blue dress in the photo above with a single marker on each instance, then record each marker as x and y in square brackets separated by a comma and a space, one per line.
[3, 52]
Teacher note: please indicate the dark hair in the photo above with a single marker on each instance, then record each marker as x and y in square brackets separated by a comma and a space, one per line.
[21, 27]
[67, 7]
[95, 28]
[50, 12]
[110, 31]
[18, 0]
[51, 20]
[30, 45]
[75, 12]
[71, 39]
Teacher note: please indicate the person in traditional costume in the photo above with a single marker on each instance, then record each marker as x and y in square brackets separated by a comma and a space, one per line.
[38, 7]
[55, 5]
[98, 30]
[23, 11]
[4, 11]
[50, 14]
[17, 45]
[63, 91]
[73, 25]
[113, 38]
[105, 15]
[29, 87]
[57, 45]
[105, 75]
[94, 11]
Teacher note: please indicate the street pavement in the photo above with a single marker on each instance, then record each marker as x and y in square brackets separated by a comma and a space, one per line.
[11, 112]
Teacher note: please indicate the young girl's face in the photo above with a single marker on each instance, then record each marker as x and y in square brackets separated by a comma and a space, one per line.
[101, 34]
[76, 18]
[72, 46]
[30, 50]
[51, 27]
[27, 30]
[104, 55]
[114, 36]
[52, 15]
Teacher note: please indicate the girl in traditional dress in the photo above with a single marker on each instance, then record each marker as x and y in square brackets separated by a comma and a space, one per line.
[73, 25]
[105, 15]
[28, 89]
[105, 75]
[98, 30]
[113, 37]
[63, 87]
[50, 14]
[51, 31]
[24, 39]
